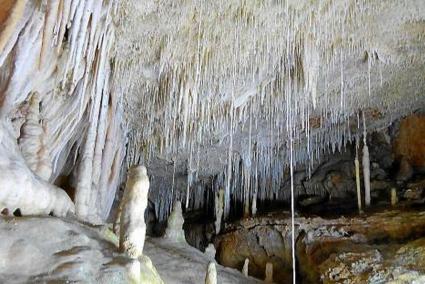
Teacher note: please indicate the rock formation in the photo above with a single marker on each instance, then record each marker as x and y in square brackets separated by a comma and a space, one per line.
[232, 106]
[32, 143]
[219, 208]
[394, 197]
[245, 267]
[56, 54]
[210, 252]
[211, 277]
[132, 219]
[21, 189]
[269, 273]
[174, 231]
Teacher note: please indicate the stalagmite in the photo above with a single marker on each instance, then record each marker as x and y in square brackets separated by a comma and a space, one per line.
[394, 198]
[245, 267]
[211, 277]
[210, 252]
[133, 269]
[219, 207]
[269, 273]
[254, 204]
[357, 169]
[366, 166]
[174, 231]
[134, 202]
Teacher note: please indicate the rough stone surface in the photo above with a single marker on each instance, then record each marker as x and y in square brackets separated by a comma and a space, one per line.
[409, 143]
[267, 239]
[52, 250]
[180, 263]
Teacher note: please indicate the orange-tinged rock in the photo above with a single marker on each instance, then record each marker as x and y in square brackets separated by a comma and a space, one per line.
[410, 142]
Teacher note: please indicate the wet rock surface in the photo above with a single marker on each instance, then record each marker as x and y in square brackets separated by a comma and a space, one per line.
[372, 248]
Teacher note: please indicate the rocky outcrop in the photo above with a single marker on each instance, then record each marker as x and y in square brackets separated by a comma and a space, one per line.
[51, 250]
[267, 240]
[409, 146]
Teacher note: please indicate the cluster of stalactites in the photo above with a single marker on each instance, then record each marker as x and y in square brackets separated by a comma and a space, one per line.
[194, 83]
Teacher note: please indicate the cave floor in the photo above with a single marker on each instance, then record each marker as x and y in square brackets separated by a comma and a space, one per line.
[180, 263]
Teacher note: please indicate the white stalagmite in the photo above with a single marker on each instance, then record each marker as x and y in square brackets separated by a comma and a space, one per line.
[366, 166]
[133, 269]
[134, 203]
[357, 169]
[245, 267]
[219, 207]
[174, 231]
[254, 204]
[394, 198]
[210, 252]
[269, 273]
[211, 276]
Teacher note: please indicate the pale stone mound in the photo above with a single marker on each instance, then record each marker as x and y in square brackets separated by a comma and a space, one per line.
[48, 249]
[174, 231]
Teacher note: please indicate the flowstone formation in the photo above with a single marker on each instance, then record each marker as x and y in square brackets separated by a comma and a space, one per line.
[57, 102]
[21, 189]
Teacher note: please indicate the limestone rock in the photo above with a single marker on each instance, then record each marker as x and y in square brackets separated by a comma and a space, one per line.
[317, 240]
[174, 231]
[134, 203]
[47, 249]
[405, 171]
[210, 252]
[211, 277]
[245, 268]
[409, 143]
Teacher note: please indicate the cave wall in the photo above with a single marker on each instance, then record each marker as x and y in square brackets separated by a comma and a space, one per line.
[58, 105]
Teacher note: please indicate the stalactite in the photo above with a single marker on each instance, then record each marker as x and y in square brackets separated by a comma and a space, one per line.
[357, 169]
[239, 94]
[366, 166]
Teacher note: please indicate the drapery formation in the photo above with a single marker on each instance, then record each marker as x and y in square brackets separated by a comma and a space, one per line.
[57, 98]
